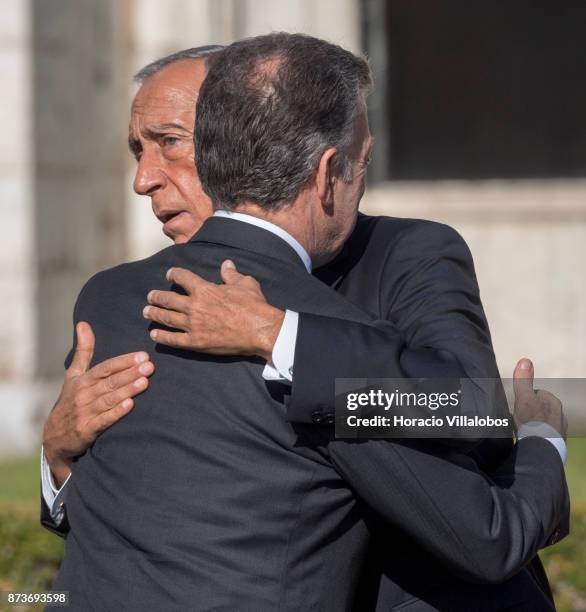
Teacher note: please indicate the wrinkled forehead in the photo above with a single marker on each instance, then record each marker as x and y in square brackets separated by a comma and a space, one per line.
[172, 92]
[164, 99]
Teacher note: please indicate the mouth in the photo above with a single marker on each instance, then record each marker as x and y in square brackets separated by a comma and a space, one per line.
[165, 216]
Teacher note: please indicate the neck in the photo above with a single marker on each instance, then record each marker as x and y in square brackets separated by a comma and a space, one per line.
[296, 219]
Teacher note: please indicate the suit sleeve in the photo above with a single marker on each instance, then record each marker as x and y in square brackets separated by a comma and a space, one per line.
[429, 302]
[484, 529]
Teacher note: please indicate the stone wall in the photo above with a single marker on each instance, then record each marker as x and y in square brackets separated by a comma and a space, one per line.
[528, 240]
[17, 339]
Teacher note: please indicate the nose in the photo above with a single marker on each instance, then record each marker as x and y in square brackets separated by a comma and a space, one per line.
[149, 175]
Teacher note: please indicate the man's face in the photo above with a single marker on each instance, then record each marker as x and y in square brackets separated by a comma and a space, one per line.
[161, 139]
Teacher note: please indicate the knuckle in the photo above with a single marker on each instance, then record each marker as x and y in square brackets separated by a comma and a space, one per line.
[80, 399]
[72, 373]
[109, 400]
[79, 382]
[79, 430]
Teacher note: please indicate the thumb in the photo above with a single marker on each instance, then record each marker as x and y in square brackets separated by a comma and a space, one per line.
[84, 351]
[229, 273]
[523, 377]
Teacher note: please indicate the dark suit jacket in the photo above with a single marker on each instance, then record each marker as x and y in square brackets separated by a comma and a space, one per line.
[417, 279]
[125, 534]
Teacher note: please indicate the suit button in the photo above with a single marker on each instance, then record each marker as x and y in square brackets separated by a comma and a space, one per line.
[317, 417]
[555, 536]
[330, 418]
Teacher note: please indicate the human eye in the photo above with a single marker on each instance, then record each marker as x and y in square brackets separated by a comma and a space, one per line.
[170, 141]
[174, 146]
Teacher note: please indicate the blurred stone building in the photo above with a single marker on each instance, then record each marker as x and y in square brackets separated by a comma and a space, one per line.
[480, 122]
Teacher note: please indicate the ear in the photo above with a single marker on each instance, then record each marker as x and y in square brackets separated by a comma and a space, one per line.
[324, 178]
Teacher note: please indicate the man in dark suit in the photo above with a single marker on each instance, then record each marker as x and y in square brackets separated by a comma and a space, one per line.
[346, 466]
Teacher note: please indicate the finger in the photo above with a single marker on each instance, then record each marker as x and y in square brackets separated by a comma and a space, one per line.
[168, 318]
[106, 419]
[121, 379]
[185, 278]
[523, 378]
[229, 273]
[169, 300]
[84, 350]
[115, 364]
[173, 339]
[110, 400]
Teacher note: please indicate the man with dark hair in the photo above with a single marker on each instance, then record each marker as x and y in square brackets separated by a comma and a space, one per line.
[289, 120]
[317, 219]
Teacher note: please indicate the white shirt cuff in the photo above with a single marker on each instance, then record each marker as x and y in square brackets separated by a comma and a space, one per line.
[543, 430]
[281, 366]
[54, 497]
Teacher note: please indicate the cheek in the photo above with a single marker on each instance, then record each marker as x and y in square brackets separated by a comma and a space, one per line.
[195, 199]
[187, 182]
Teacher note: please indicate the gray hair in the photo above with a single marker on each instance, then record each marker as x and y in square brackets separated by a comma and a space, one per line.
[194, 53]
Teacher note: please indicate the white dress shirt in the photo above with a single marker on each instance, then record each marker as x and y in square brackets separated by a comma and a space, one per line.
[280, 368]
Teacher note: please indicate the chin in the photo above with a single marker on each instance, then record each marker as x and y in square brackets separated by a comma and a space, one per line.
[180, 233]
[181, 236]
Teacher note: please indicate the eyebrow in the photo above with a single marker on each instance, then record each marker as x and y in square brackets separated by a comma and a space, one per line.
[165, 127]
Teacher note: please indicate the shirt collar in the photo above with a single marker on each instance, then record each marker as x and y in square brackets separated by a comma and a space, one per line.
[271, 227]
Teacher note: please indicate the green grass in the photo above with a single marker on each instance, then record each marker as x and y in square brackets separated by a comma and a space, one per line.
[20, 480]
[565, 564]
[30, 555]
